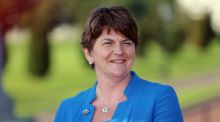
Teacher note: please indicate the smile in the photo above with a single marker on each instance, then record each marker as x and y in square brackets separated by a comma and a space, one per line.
[119, 61]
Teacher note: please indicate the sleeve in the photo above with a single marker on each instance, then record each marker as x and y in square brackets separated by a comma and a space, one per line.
[167, 108]
[58, 116]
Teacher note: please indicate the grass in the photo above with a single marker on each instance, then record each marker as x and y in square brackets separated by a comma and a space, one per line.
[189, 61]
[193, 95]
[69, 74]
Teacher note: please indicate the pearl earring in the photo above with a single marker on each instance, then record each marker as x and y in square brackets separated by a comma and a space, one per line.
[90, 62]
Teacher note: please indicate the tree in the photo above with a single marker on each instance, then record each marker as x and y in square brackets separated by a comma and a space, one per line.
[41, 19]
[201, 32]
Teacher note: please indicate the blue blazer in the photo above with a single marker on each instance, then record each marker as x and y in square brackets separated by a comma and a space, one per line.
[146, 102]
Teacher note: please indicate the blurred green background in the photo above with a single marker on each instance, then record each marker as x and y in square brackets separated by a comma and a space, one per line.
[43, 61]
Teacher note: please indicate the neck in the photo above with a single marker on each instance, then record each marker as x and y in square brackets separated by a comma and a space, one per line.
[108, 89]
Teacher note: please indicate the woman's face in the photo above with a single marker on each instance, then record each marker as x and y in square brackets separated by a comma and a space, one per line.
[113, 54]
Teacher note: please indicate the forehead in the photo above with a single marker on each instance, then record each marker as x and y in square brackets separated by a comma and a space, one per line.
[112, 34]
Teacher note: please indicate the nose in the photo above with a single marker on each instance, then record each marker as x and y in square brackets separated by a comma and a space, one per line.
[118, 50]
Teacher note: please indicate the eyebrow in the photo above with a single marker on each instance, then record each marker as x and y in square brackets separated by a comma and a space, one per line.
[127, 40]
[112, 39]
[107, 39]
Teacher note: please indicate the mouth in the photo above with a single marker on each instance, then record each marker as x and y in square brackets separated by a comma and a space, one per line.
[118, 61]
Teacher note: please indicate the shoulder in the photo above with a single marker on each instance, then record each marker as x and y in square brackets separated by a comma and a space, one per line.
[154, 87]
[73, 103]
[162, 100]
[77, 99]
[154, 92]
[149, 87]
[69, 107]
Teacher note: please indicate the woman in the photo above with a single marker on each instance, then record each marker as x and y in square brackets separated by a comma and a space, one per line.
[109, 43]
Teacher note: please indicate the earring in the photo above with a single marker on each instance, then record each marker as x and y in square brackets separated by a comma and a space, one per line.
[90, 62]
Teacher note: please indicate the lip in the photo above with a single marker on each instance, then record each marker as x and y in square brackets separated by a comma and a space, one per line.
[118, 61]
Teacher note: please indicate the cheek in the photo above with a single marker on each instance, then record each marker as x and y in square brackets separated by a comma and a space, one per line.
[133, 56]
[132, 53]
[101, 54]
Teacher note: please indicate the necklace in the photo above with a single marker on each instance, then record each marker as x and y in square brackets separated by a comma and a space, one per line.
[105, 109]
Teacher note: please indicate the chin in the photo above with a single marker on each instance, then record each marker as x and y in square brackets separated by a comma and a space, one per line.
[120, 73]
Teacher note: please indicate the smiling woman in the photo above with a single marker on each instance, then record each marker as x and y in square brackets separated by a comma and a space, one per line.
[109, 41]
[113, 54]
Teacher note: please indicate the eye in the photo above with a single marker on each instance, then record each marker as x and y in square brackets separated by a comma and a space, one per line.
[128, 42]
[107, 42]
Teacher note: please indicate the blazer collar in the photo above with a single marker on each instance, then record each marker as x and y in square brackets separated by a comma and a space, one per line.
[129, 92]
[132, 86]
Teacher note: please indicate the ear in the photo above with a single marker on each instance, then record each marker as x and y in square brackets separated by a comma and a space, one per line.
[88, 55]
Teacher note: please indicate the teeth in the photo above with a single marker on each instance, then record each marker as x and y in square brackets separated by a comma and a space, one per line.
[117, 61]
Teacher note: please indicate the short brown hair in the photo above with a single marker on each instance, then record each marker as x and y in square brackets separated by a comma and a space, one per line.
[117, 18]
